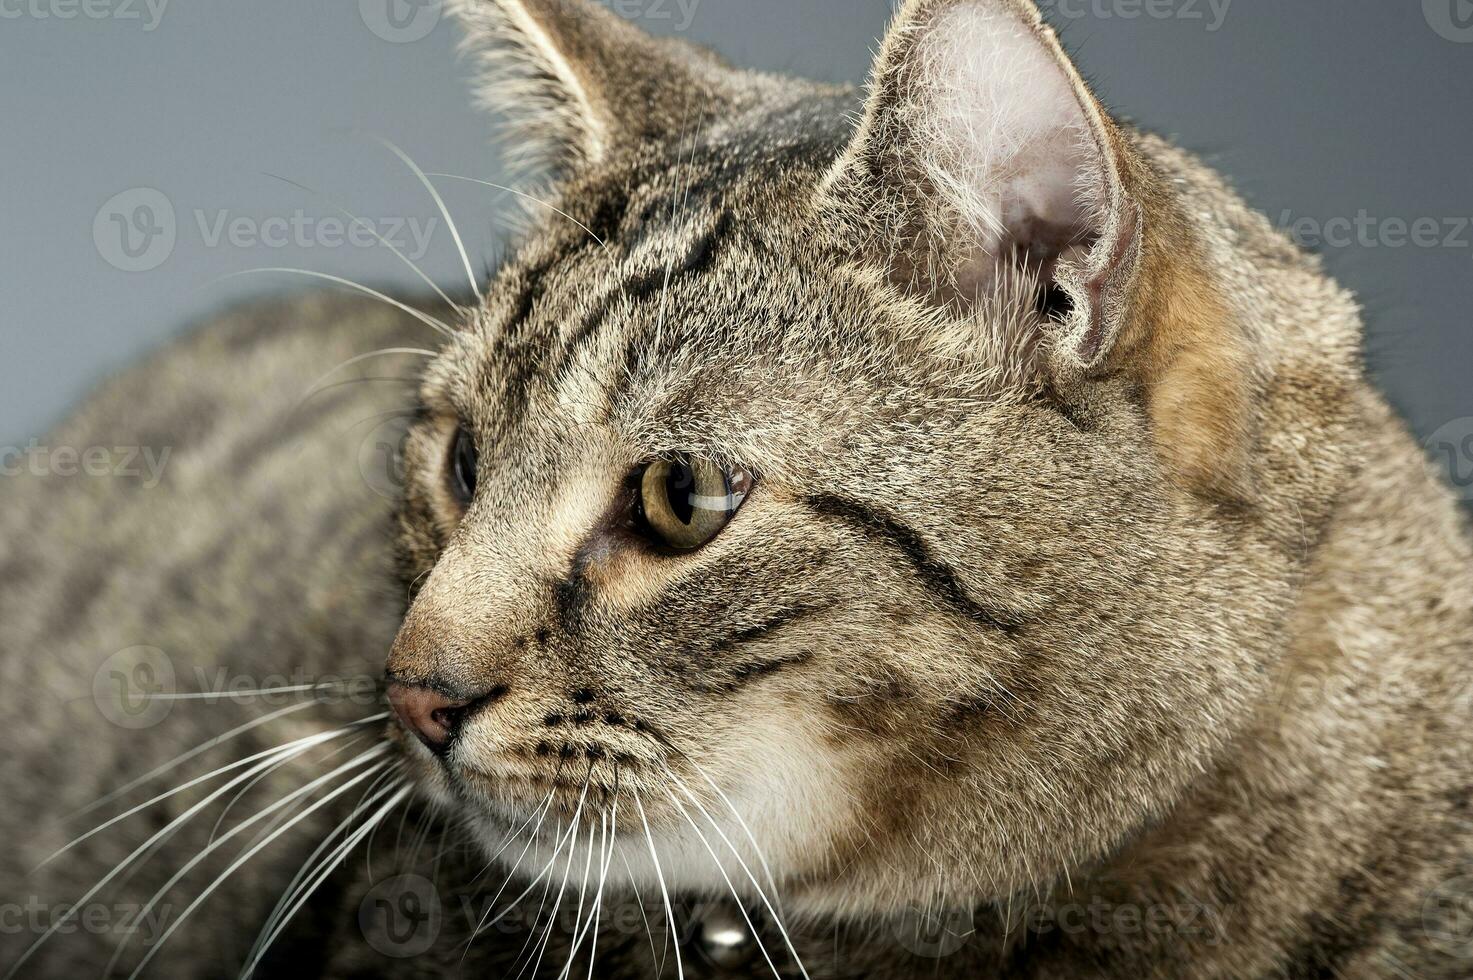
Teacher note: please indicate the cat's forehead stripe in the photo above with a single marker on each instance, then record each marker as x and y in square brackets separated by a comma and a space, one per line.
[691, 256]
[571, 321]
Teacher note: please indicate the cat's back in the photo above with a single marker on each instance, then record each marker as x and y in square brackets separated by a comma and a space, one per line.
[259, 431]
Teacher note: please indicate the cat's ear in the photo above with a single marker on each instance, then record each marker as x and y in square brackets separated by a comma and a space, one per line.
[577, 82]
[983, 161]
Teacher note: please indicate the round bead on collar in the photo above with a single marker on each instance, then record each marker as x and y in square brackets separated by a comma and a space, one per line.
[725, 937]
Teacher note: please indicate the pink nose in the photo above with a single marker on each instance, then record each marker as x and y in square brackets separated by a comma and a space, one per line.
[427, 713]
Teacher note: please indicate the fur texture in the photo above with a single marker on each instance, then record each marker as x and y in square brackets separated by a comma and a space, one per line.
[1087, 599]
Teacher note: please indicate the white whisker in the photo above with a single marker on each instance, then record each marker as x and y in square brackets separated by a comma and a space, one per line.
[664, 892]
[655, 955]
[374, 232]
[582, 893]
[558, 845]
[541, 907]
[605, 856]
[163, 833]
[214, 846]
[228, 695]
[242, 859]
[300, 745]
[319, 386]
[561, 890]
[539, 816]
[449, 221]
[240, 793]
[761, 858]
[528, 197]
[736, 854]
[363, 802]
[603, 878]
[434, 324]
[289, 894]
[203, 747]
[330, 865]
[563, 885]
[573, 833]
[741, 906]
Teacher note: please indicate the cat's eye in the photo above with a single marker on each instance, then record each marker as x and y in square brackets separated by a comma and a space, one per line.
[685, 501]
[463, 462]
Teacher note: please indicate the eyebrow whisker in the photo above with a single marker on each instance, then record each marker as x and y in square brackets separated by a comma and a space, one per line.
[440, 203]
[529, 197]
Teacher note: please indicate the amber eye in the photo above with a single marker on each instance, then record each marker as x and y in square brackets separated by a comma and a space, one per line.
[463, 462]
[685, 501]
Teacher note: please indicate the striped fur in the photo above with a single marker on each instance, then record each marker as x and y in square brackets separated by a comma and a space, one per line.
[1111, 611]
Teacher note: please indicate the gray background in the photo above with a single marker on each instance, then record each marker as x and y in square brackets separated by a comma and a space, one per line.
[1318, 110]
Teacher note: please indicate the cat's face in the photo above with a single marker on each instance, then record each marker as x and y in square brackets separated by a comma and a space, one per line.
[726, 544]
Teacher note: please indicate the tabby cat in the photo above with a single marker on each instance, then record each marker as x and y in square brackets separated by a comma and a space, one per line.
[955, 539]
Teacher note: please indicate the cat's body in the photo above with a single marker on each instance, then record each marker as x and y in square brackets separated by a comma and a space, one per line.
[1132, 651]
[192, 567]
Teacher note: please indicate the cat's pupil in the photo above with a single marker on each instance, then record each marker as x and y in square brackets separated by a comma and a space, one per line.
[680, 491]
[465, 459]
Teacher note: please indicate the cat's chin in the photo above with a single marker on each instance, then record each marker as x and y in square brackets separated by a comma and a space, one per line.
[640, 845]
[767, 826]
[684, 869]
[621, 854]
[650, 854]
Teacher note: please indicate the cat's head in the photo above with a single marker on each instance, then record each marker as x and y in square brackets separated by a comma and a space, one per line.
[872, 475]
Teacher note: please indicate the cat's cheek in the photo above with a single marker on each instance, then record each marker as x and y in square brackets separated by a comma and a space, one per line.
[783, 792]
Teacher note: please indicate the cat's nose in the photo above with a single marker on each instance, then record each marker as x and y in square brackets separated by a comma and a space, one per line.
[428, 713]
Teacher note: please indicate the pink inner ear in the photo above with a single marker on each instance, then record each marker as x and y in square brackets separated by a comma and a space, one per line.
[1004, 138]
